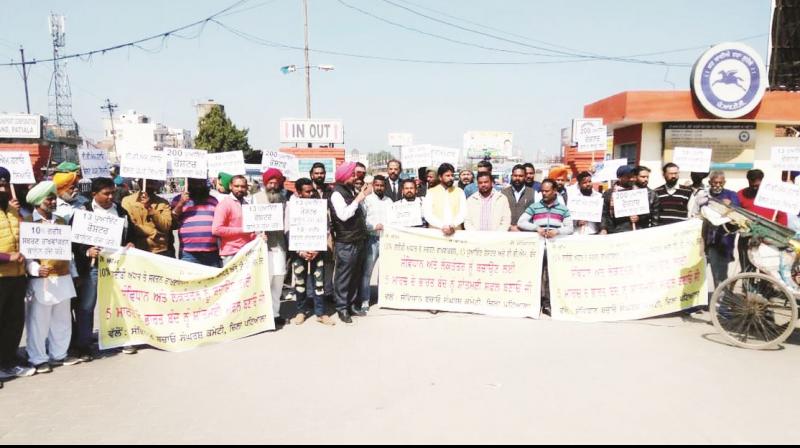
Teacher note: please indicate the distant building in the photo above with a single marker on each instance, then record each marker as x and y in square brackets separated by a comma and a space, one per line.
[205, 108]
[133, 131]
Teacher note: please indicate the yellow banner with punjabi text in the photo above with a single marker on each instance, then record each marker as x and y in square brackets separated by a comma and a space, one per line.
[628, 276]
[172, 305]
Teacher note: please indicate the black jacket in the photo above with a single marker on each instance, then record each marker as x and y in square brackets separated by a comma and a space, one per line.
[84, 263]
[613, 224]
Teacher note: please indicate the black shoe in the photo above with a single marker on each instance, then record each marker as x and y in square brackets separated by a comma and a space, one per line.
[280, 322]
[345, 317]
[357, 312]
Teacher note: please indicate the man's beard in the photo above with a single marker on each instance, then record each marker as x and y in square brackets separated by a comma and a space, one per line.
[672, 183]
[69, 199]
[587, 192]
[642, 184]
[448, 185]
[319, 182]
[518, 185]
[410, 198]
[274, 196]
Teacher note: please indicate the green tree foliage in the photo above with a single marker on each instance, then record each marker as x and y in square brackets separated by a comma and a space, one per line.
[217, 133]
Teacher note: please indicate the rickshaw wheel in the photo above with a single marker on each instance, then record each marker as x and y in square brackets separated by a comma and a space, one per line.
[754, 311]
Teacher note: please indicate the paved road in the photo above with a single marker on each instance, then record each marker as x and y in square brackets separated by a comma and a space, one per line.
[406, 377]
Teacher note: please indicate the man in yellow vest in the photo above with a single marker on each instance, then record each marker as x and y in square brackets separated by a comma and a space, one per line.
[50, 291]
[445, 206]
[13, 284]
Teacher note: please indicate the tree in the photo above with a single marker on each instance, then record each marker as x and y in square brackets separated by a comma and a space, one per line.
[217, 133]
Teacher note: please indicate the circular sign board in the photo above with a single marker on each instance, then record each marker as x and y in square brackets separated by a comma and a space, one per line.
[729, 80]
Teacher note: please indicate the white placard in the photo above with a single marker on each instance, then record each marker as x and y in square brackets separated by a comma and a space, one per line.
[97, 230]
[400, 139]
[262, 217]
[607, 170]
[593, 140]
[286, 163]
[786, 158]
[693, 160]
[187, 163]
[45, 241]
[440, 155]
[19, 126]
[429, 156]
[586, 208]
[312, 131]
[308, 225]
[584, 126]
[781, 196]
[226, 162]
[150, 165]
[405, 214]
[631, 203]
[416, 156]
[94, 163]
[18, 163]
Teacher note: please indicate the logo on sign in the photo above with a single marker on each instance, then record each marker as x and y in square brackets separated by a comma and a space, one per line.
[744, 137]
[730, 80]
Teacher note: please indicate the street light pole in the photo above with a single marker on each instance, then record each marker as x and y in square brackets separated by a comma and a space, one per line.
[308, 63]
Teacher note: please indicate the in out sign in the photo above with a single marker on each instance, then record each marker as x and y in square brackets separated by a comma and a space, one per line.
[312, 131]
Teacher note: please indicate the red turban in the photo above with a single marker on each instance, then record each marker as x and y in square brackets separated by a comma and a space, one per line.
[272, 173]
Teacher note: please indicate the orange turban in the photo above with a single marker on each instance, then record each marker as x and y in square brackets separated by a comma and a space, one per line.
[558, 172]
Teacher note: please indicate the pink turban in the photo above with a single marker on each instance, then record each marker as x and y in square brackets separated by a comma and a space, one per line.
[272, 173]
[345, 172]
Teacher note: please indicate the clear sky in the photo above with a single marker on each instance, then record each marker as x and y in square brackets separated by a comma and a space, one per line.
[435, 102]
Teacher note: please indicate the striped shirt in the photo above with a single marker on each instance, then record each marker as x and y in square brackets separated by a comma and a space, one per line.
[674, 204]
[195, 223]
[541, 216]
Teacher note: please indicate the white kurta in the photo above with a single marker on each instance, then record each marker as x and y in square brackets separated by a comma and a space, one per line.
[48, 318]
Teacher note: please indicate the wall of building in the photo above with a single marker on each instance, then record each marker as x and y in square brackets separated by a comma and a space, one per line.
[651, 154]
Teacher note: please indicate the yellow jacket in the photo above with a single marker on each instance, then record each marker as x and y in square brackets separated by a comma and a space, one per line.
[153, 225]
[9, 242]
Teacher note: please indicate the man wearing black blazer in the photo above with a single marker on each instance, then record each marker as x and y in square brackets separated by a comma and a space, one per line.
[394, 189]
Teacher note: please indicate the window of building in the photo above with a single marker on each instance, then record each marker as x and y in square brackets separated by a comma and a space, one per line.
[628, 151]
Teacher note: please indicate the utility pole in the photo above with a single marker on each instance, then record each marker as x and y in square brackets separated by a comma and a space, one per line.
[111, 108]
[308, 63]
[25, 79]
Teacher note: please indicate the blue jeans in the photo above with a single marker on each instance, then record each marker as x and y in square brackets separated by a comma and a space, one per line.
[84, 314]
[211, 259]
[372, 249]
